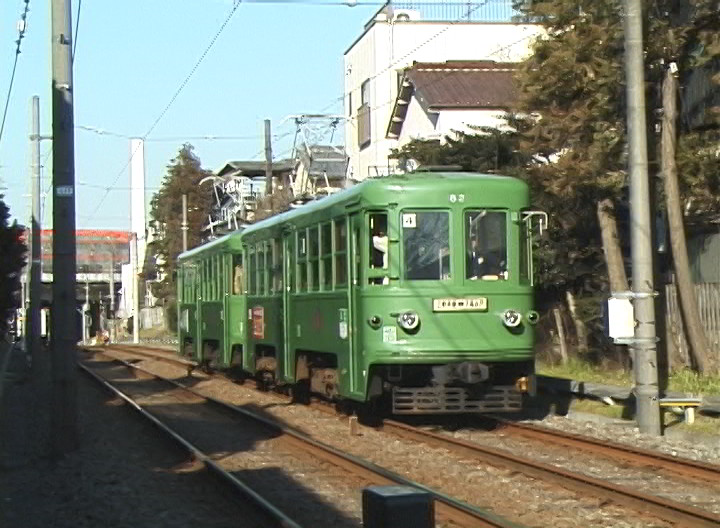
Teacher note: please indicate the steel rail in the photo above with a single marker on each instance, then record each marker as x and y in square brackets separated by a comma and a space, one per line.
[277, 517]
[681, 466]
[662, 508]
[642, 502]
[447, 508]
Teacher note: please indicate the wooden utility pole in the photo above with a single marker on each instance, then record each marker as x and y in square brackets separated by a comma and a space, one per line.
[644, 342]
[65, 436]
[268, 160]
[685, 288]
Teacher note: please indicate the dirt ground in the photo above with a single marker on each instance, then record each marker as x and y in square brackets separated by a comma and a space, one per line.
[118, 478]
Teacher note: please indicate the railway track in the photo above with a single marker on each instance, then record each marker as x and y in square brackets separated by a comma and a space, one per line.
[644, 503]
[449, 511]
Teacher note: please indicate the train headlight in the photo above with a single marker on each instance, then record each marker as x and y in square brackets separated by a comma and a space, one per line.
[512, 318]
[409, 321]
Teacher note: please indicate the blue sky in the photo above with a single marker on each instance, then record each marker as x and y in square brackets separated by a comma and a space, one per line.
[272, 60]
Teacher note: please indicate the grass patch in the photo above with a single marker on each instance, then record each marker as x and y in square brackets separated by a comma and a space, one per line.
[583, 371]
[683, 380]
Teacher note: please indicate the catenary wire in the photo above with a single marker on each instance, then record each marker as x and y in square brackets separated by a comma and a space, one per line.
[21, 34]
[77, 26]
[236, 4]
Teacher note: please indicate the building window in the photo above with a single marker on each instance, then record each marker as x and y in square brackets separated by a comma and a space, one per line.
[350, 109]
[364, 136]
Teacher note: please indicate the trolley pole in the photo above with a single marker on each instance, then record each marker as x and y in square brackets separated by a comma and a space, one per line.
[65, 435]
[268, 159]
[644, 342]
[33, 322]
[184, 223]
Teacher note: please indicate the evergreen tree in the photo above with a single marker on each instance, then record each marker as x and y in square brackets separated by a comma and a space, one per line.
[12, 260]
[183, 177]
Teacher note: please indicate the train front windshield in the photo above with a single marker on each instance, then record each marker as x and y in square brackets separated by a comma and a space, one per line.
[486, 245]
[426, 245]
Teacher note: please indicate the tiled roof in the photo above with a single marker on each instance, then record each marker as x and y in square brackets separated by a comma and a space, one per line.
[453, 85]
[467, 84]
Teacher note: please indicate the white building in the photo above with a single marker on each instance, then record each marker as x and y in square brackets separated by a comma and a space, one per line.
[375, 67]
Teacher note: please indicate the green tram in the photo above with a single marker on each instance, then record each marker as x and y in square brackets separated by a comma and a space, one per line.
[413, 291]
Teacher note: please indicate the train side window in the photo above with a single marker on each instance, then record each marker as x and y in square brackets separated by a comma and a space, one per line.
[313, 259]
[238, 274]
[276, 269]
[340, 252]
[301, 266]
[378, 247]
[260, 252]
[252, 272]
[326, 257]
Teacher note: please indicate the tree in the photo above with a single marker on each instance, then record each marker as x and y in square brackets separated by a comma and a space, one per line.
[574, 82]
[183, 177]
[12, 261]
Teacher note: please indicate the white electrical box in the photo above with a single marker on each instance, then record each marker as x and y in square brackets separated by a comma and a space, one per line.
[621, 318]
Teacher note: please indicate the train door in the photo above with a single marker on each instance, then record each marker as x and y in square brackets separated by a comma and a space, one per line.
[199, 334]
[288, 284]
[356, 365]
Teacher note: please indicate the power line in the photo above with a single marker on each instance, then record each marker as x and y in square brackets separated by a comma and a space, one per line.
[22, 25]
[77, 26]
[236, 4]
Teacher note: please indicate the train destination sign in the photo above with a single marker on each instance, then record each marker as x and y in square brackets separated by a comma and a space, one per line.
[467, 304]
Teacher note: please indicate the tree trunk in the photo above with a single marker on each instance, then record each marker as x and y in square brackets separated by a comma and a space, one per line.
[698, 349]
[580, 328]
[611, 246]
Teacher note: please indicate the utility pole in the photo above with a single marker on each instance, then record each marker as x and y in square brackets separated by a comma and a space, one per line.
[644, 342]
[268, 159]
[64, 434]
[111, 311]
[135, 288]
[184, 222]
[33, 314]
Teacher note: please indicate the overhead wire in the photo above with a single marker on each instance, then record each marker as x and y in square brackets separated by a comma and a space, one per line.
[22, 26]
[236, 4]
[77, 26]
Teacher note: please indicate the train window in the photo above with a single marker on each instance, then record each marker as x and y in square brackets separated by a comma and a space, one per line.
[326, 256]
[301, 262]
[378, 246]
[252, 271]
[525, 275]
[486, 245]
[260, 252]
[238, 274]
[340, 252]
[313, 260]
[426, 245]
[276, 271]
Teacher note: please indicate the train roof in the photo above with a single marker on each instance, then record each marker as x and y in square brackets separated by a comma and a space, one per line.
[229, 241]
[494, 187]
[381, 190]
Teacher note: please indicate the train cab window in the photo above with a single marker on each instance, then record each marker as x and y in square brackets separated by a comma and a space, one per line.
[486, 245]
[238, 284]
[378, 246]
[426, 245]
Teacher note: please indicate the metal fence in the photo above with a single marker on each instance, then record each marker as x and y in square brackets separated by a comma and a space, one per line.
[471, 11]
[708, 297]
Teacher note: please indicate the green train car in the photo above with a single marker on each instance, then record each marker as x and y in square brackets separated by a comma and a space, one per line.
[413, 291]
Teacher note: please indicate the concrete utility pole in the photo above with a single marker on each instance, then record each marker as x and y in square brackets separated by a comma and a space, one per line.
[65, 436]
[135, 288]
[644, 342]
[268, 159]
[184, 222]
[32, 341]
[111, 311]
